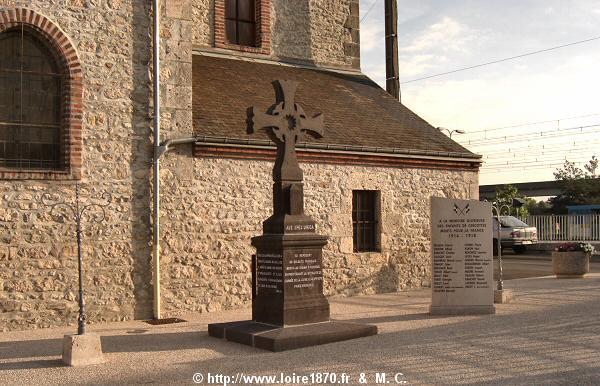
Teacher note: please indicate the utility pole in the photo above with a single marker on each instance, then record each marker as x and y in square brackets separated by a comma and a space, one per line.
[391, 48]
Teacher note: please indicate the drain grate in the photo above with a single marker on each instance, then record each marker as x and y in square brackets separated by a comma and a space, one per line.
[157, 322]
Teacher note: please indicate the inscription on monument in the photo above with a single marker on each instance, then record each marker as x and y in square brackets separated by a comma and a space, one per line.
[269, 272]
[303, 271]
[293, 228]
[461, 245]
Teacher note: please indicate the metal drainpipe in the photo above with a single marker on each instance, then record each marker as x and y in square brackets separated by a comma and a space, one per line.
[156, 161]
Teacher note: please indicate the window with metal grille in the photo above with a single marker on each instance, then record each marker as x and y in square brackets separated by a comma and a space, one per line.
[365, 220]
[240, 22]
[30, 102]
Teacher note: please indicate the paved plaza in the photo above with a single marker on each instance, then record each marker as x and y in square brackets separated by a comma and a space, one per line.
[549, 335]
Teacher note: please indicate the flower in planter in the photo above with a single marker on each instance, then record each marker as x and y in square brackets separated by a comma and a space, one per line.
[568, 247]
[587, 248]
[575, 247]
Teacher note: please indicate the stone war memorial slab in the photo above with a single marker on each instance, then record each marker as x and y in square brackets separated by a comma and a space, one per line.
[461, 255]
[289, 309]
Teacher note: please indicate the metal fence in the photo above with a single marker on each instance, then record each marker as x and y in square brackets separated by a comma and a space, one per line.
[571, 227]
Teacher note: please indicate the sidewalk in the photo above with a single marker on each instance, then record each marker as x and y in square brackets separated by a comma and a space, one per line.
[540, 255]
[549, 335]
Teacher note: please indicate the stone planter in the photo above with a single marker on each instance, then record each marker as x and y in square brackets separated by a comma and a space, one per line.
[570, 265]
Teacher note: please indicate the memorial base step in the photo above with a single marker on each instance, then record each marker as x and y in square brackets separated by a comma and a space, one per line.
[462, 310]
[276, 338]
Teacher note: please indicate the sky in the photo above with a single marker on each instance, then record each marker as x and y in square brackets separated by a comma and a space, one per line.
[525, 116]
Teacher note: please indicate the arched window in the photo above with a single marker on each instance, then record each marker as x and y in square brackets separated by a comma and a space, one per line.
[31, 102]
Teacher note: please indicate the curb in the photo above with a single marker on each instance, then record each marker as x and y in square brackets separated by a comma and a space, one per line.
[594, 259]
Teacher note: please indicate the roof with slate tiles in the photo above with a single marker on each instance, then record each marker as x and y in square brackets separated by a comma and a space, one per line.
[358, 113]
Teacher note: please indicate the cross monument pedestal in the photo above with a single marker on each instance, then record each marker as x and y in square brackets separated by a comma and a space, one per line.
[289, 309]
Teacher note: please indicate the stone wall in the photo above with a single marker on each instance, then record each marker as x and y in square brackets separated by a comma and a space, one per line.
[335, 32]
[209, 220]
[211, 208]
[324, 32]
[38, 275]
[203, 16]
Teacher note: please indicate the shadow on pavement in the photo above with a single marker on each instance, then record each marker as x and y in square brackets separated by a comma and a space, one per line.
[581, 376]
[30, 349]
[396, 318]
[523, 348]
[110, 344]
[30, 365]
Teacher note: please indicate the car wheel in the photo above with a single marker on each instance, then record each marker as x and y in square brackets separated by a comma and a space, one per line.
[519, 249]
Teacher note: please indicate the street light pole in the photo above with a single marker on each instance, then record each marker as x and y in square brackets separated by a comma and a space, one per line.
[77, 212]
[82, 316]
[498, 209]
[450, 132]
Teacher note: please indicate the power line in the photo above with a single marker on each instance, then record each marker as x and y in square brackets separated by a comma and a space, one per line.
[502, 60]
[535, 161]
[535, 138]
[541, 148]
[532, 123]
[540, 161]
[508, 169]
[530, 136]
[561, 146]
[540, 157]
[535, 158]
[368, 11]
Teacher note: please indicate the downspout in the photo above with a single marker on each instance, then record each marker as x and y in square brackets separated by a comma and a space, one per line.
[167, 145]
[156, 161]
[159, 150]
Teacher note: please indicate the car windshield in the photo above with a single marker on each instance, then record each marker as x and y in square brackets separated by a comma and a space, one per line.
[510, 221]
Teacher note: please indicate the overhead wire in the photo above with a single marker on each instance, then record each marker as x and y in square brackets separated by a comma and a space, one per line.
[531, 123]
[478, 147]
[497, 169]
[510, 152]
[534, 161]
[368, 11]
[502, 60]
[533, 166]
[530, 136]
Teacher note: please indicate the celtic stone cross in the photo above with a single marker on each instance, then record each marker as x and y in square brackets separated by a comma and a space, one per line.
[285, 123]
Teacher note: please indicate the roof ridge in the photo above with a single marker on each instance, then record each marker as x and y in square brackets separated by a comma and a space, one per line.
[253, 58]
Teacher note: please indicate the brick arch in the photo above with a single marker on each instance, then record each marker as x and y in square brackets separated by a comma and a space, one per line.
[67, 57]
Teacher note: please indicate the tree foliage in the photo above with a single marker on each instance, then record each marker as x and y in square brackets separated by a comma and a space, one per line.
[505, 195]
[579, 186]
[538, 207]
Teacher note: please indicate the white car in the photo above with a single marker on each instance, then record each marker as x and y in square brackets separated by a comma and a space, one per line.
[514, 234]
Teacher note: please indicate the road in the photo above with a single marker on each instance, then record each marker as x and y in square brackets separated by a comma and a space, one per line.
[530, 264]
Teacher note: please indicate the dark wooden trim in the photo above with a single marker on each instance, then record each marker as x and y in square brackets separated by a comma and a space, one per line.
[307, 156]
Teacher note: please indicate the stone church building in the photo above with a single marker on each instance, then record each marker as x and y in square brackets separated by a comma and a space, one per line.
[76, 107]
